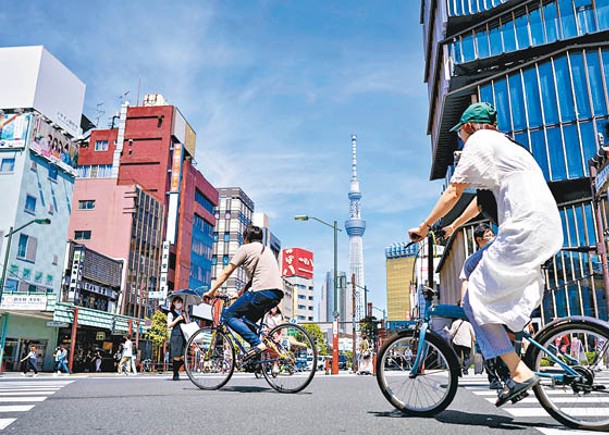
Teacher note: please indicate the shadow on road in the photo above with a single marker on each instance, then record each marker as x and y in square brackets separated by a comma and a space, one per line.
[471, 419]
[252, 389]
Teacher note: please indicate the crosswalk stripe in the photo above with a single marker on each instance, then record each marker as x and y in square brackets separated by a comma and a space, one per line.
[25, 393]
[22, 399]
[550, 431]
[4, 422]
[547, 392]
[564, 400]
[16, 408]
[573, 412]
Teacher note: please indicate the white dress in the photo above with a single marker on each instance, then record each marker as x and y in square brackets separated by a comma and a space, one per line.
[508, 283]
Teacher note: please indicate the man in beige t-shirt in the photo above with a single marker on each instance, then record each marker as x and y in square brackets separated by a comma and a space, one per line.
[263, 292]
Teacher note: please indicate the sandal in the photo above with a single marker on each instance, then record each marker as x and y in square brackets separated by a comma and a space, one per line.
[516, 391]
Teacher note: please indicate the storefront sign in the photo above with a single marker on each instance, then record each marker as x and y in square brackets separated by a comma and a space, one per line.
[24, 302]
[176, 168]
[600, 182]
[55, 324]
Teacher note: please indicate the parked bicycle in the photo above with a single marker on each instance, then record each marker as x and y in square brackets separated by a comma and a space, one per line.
[573, 389]
[213, 354]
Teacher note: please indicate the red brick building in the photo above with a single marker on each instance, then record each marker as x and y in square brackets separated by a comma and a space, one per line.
[153, 147]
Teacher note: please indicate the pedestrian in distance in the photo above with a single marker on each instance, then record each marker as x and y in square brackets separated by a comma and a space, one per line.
[508, 283]
[175, 317]
[462, 341]
[124, 365]
[365, 356]
[98, 361]
[31, 362]
[134, 361]
[56, 356]
[62, 360]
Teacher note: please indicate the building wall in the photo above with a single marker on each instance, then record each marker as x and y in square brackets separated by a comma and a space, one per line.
[234, 212]
[303, 298]
[399, 277]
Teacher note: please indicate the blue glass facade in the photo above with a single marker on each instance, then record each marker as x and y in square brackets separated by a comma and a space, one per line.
[552, 97]
[201, 254]
[535, 24]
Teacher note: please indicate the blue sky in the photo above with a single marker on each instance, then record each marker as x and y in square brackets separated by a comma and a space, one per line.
[274, 90]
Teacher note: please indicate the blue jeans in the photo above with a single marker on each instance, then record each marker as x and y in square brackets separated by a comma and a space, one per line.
[64, 365]
[252, 306]
[492, 338]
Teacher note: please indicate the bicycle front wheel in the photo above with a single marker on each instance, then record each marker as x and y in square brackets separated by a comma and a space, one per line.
[579, 400]
[209, 359]
[290, 361]
[431, 388]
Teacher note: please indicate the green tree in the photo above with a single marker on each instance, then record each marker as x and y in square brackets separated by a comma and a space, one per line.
[158, 331]
[314, 331]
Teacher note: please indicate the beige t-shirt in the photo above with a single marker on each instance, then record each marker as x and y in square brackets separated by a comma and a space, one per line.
[267, 276]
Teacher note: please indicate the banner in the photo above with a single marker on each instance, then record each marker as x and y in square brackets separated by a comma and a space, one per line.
[23, 302]
[53, 145]
[14, 130]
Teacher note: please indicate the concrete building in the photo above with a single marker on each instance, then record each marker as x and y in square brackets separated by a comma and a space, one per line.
[124, 223]
[233, 213]
[269, 239]
[154, 148]
[297, 269]
[401, 276]
[41, 103]
[543, 65]
[344, 298]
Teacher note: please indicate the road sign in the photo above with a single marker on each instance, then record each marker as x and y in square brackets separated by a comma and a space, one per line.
[335, 314]
[55, 324]
[147, 323]
[600, 182]
[293, 321]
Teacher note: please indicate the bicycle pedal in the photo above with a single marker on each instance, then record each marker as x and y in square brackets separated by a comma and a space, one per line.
[520, 397]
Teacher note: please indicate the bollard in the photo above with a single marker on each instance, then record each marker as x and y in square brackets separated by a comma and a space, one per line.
[374, 364]
[327, 361]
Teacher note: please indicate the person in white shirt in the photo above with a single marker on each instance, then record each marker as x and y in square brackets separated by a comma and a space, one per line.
[508, 283]
[124, 366]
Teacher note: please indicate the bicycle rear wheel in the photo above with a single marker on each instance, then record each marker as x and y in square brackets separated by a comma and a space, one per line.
[580, 401]
[209, 359]
[290, 362]
[429, 391]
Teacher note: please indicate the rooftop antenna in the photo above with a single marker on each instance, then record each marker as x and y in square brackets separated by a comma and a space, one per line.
[123, 97]
[139, 85]
[100, 111]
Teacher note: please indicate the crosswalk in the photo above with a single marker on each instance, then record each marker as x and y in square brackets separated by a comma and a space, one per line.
[529, 408]
[21, 395]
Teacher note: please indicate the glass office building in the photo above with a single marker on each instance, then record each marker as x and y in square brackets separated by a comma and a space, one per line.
[545, 66]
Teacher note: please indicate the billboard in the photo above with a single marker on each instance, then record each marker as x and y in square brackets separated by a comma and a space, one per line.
[14, 129]
[31, 77]
[54, 145]
[297, 262]
[183, 132]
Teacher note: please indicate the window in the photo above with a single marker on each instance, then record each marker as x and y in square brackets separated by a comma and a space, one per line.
[86, 204]
[101, 145]
[495, 37]
[7, 165]
[599, 106]
[574, 158]
[567, 19]
[53, 172]
[502, 106]
[468, 48]
[548, 93]
[27, 247]
[550, 16]
[214, 260]
[602, 13]
[517, 101]
[531, 89]
[509, 36]
[225, 260]
[215, 237]
[54, 259]
[82, 235]
[557, 156]
[34, 167]
[522, 31]
[30, 204]
[536, 26]
[588, 142]
[585, 17]
[538, 145]
[482, 43]
[227, 237]
[580, 85]
[486, 94]
[565, 92]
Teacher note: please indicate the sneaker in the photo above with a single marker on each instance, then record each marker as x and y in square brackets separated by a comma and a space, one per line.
[516, 391]
[23, 374]
[35, 375]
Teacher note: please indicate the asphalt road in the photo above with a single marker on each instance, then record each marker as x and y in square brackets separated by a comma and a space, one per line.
[148, 404]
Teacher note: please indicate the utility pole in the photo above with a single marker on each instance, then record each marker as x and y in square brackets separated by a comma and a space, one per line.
[353, 324]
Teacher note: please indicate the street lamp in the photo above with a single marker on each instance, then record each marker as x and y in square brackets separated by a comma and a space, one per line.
[335, 313]
[8, 248]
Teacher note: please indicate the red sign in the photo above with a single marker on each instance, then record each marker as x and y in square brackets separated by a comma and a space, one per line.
[297, 262]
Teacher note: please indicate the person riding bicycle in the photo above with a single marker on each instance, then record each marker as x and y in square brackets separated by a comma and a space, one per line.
[263, 291]
[508, 283]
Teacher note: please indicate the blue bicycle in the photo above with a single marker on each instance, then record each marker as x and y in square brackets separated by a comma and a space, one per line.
[213, 353]
[574, 387]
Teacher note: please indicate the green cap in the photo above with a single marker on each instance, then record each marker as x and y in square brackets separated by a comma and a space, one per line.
[480, 113]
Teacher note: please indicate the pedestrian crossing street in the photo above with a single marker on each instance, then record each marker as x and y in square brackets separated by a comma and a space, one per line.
[21, 395]
[530, 411]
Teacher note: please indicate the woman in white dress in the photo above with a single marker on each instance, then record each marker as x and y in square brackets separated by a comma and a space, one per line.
[508, 283]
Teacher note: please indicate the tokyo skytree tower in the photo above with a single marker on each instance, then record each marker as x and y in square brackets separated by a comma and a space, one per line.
[355, 228]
